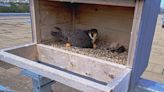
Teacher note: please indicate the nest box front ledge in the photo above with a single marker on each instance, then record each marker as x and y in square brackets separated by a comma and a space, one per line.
[69, 73]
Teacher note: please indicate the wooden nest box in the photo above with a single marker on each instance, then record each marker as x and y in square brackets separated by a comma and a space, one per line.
[130, 23]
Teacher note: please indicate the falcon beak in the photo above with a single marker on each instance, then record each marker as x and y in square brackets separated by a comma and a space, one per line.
[93, 37]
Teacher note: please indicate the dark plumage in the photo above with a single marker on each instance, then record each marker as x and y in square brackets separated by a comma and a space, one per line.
[121, 49]
[83, 39]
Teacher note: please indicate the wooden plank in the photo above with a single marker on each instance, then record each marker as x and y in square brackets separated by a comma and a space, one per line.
[121, 83]
[127, 3]
[27, 51]
[18, 58]
[113, 23]
[54, 74]
[19, 46]
[135, 31]
[35, 17]
[145, 35]
[54, 14]
[113, 20]
[84, 65]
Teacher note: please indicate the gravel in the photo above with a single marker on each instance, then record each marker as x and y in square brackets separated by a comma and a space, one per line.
[103, 51]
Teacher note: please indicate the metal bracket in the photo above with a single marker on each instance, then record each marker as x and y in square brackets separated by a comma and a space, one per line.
[4, 89]
[149, 86]
[40, 83]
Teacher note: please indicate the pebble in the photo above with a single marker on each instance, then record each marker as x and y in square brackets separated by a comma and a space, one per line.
[102, 52]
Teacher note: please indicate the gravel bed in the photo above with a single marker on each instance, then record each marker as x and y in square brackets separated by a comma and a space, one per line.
[102, 52]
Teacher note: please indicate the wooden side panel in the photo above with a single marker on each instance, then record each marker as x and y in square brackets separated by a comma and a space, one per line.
[121, 83]
[135, 31]
[66, 78]
[17, 56]
[54, 14]
[35, 16]
[147, 26]
[114, 23]
[87, 66]
[27, 51]
[127, 3]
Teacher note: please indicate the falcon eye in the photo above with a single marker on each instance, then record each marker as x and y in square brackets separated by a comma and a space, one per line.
[92, 34]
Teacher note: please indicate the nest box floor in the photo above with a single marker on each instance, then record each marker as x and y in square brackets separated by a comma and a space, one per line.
[102, 52]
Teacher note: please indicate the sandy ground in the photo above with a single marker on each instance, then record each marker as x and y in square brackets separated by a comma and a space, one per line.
[16, 31]
[155, 69]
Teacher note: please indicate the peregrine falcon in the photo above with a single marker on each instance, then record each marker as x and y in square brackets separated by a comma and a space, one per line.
[78, 38]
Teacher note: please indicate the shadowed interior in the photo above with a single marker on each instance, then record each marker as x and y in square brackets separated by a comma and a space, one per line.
[114, 23]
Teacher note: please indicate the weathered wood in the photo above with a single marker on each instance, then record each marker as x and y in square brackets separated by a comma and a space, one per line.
[54, 14]
[134, 32]
[28, 51]
[35, 16]
[114, 22]
[123, 81]
[67, 78]
[144, 38]
[91, 67]
[85, 16]
[127, 3]
[114, 25]
[54, 74]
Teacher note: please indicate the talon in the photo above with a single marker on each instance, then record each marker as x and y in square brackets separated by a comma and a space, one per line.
[94, 46]
[68, 45]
